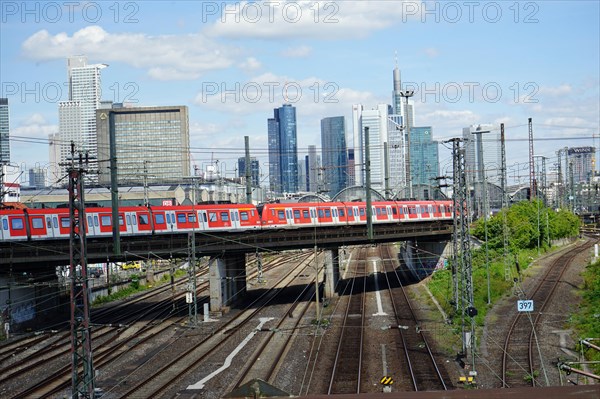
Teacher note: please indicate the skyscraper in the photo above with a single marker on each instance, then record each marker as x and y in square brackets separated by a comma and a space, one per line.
[582, 160]
[378, 121]
[254, 170]
[334, 154]
[482, 153]
[423, 156]
[312, 169]
[283, 150]
[154, 141]
[4, 132]
[77, 116]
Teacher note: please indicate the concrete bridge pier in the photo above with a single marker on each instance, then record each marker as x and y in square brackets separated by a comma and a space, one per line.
[227, 281]
[421, 258]
[331, 269]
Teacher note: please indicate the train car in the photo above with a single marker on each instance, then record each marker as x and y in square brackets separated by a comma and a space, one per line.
[296, 215]
[205, 217]
[13, 224]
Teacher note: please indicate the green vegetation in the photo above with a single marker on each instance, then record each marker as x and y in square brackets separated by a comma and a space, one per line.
[522, 230]
[586, 322]
[135, 287]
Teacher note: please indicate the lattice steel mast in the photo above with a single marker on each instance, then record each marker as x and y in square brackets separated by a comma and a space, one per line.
[82, 367]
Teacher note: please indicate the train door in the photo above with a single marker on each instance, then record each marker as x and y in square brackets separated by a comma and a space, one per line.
[171, 221]
[202, 220]
[235, 219]
[405, 211]
[289, 217]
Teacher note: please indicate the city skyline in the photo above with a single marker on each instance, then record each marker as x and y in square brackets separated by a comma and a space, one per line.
[215, 65]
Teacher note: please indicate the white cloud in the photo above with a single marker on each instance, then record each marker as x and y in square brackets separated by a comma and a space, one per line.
[250, 64]
[171, 57]
[561, 90]
[264, 92]
[33, 126]
[297, 52]
[317, 19]
[431, 52]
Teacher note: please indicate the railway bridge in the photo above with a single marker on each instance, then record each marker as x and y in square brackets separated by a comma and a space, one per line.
[227, 250]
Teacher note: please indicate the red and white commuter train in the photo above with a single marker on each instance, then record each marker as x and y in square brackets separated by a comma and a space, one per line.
[43, 224]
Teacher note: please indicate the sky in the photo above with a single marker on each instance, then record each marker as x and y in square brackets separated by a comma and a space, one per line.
[232, 63]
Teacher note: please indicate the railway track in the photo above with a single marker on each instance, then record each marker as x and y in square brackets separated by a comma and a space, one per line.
[158, 312]
[160, 379]
[346, 374]
[419, 361]
[520, 349]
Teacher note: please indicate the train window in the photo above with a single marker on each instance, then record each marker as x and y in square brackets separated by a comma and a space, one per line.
[204, 216]
[280, 214]
[90, 221]
[225, 216]
[49, 223]
[305, 214]
[362, 211]
[327, 213]
[128, 217]
[55, 222]
[143, 220]
[16, 224]
[168, 218]
[378, 211]
[321, 213]
[252, 213]
[66, 223]
[181, 218]
[159, 218]
[355, 211]
[95, 220]
[394, 211]
[244, 215]
[272, 212]
[442, 209]
[104, 220]
[37, 223]
[212, 216]
[342, 212]
[334, 212]
[312, 213]
[133, 220]
[121, 221]
[296, 214]
[192, 217]
[4, 224]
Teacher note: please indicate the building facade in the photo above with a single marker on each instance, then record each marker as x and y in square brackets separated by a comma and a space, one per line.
[283, 150]
[254, 170]
[4, 132]
[582, 162]
[424, 158]
[334, 154]
[152, 144]
[77, 116]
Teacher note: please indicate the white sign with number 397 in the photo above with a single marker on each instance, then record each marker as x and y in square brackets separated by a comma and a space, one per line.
[525, 306]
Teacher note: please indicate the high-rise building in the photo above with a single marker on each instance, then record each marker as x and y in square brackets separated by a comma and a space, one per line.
[376, 120]
[312, 169]
[37, 177]
[334, 154]
[283, 150]
[350, 169]
[482, 154]
[152, 144]
[4, 132]
[77, 116]
[424, 159]
[254, 170]
[582, 161]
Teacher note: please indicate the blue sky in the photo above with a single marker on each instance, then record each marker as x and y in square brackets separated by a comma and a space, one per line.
[479, 62]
